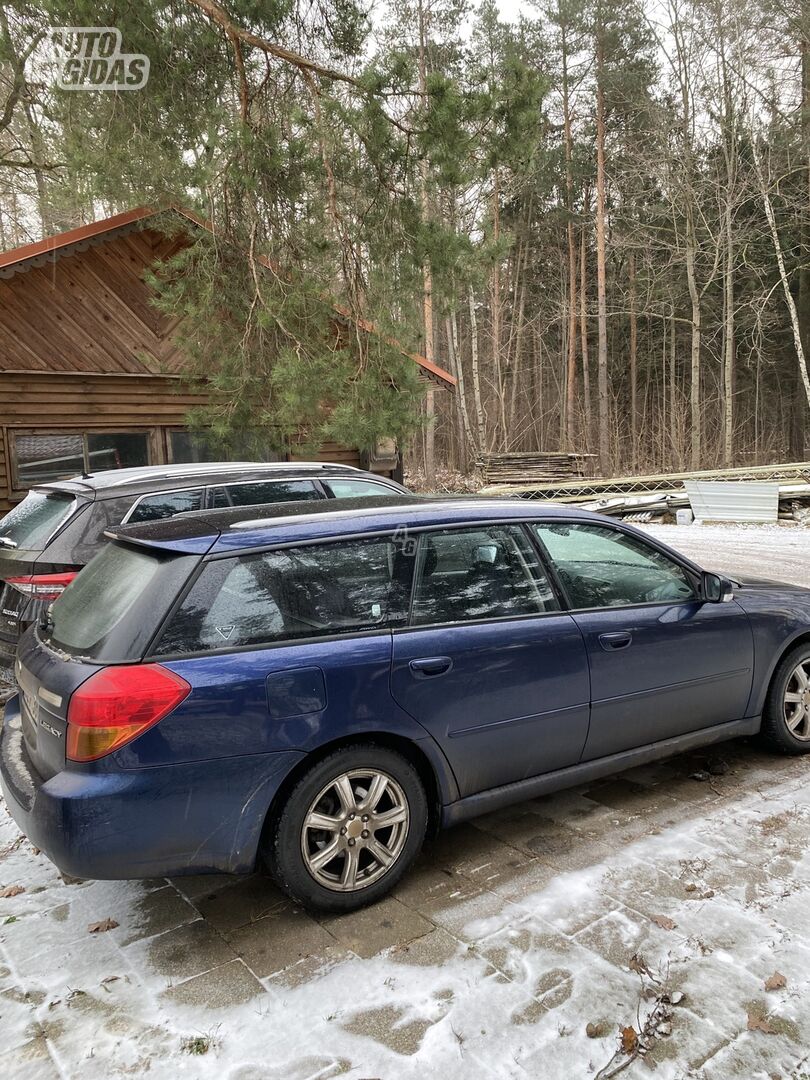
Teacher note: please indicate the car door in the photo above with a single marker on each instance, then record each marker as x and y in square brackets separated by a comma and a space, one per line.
[663, 662]
[489, 664]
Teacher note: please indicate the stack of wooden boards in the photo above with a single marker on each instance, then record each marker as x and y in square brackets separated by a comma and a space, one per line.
[530, 468]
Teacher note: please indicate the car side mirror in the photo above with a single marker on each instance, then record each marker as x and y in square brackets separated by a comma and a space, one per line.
[716, 589]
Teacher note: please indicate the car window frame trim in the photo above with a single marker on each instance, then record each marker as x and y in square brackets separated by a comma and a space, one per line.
[390, 531]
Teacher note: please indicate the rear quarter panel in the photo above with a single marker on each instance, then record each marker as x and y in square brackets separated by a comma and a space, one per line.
[281, 698]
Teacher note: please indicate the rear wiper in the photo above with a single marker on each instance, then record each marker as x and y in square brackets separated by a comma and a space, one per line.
[6, 541]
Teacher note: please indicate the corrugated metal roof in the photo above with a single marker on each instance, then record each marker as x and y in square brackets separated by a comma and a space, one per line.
[719, 500]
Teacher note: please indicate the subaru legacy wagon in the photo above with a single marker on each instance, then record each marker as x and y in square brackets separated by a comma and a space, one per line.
[58, 527]
[316, 691]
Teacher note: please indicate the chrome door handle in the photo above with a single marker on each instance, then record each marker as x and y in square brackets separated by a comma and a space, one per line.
[619, 640]
[428, 667]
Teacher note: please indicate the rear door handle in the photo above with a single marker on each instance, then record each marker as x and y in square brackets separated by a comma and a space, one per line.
[429, 667]
[619, 640]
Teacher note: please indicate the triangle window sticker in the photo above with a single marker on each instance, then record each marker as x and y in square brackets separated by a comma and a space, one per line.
[225, 631]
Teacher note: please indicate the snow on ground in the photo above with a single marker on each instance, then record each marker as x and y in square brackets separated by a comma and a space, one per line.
[772, 551]
[518, 947]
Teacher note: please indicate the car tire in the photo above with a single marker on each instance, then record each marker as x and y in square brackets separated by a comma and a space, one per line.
[373, 809]
[786, 716]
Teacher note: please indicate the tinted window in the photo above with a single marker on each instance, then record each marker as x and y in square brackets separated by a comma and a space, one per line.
[297, 593]
[603, 567]
[483, 573]
[349, 489]
[100, 598]
[155, 507]
[35, 519]
[271, 491]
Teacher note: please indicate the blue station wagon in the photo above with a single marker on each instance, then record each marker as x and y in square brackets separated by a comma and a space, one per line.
[316, 690]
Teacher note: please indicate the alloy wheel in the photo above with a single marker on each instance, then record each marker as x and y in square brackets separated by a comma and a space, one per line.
[355, 830]
[797, 702]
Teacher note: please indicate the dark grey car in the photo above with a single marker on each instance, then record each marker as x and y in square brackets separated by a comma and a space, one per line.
[59, 527]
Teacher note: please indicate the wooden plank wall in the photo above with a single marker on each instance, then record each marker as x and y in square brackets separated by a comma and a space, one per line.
[83, 402]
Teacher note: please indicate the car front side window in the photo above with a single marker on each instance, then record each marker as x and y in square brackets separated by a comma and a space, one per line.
[485, 572]
[604, 567]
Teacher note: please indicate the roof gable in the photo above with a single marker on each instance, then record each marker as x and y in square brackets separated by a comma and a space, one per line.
[50, 321]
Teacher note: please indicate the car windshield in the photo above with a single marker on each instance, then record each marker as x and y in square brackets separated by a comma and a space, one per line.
[34, 521]
[100, 597]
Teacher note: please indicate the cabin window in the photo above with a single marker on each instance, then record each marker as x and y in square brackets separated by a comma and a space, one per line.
[186, 447]
[39, 457]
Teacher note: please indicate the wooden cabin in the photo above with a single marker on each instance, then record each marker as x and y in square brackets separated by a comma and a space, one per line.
[90, 377]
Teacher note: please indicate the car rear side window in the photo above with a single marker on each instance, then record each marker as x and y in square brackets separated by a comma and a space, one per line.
[166, 505]
[100, 598]
[486, 572]
[262, 491]
[33, 521]
[312, 591]
[353, 489]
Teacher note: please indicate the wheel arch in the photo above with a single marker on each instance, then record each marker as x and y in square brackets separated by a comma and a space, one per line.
[802, 637]
[412, 751]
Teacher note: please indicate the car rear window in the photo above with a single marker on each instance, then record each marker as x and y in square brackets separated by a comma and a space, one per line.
[100, 598]
[34, 521]
[312, 591]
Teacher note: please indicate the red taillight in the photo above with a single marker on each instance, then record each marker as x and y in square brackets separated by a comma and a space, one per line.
[117, 705]
[42, 586]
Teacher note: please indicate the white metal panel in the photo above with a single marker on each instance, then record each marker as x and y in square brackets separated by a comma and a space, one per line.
[723, 500]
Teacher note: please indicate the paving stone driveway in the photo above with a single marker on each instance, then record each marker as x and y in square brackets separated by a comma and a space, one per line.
[510, 936]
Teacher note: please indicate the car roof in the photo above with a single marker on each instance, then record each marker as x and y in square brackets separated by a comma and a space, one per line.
[219, 531]
[113, 482]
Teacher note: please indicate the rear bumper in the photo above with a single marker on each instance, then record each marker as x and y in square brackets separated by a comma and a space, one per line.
[198, 817]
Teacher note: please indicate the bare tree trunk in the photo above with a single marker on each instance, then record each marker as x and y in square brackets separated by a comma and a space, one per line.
[571, 367]
[694, 296]
[601, 286]
[427, 305]
[457, 369]
[583, 325]
[480, 424]
[631, 274]
[728, 345]
[495, 308]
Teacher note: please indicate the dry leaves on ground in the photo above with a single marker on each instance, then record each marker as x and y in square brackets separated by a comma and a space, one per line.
[11, 890]
[775, 981]
[758, 1022]
[664, 922]
[629, 1040]
[102, 927]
